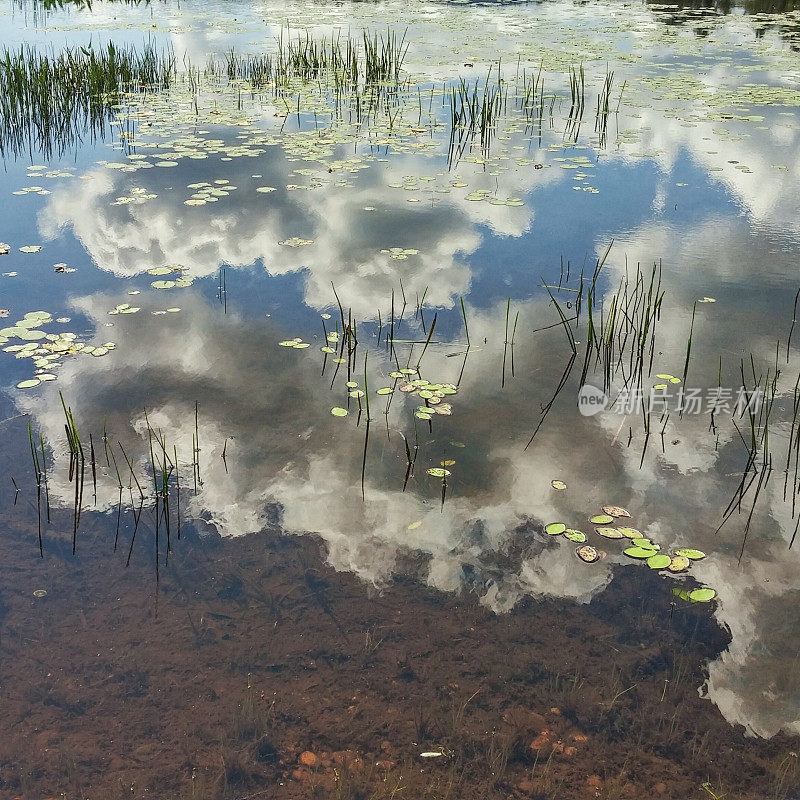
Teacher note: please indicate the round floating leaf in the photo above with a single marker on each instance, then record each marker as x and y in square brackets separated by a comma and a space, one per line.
[28, 384]
[327, 350]
[408, 388]
[438, 472]
[587, 553]
[646, 543]
[352, 384]
[616, 511]
[575, 536]
[702, 595]
[638, 552]
[385, 390]
[555, 528]
[630, 533]
[601, 519]
[395, 374]
[339, 412]
[425, 394]
[560, 485]
[688, 552]
[39, 593]
[678, 564]
[659, 561]
[610, 533]
[445, 409]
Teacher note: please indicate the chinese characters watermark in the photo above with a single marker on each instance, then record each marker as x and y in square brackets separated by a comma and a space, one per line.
[683, 400]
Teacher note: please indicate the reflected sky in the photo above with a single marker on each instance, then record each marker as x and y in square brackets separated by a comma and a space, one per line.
[699, 173]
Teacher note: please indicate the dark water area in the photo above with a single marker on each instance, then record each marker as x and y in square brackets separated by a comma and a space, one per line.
[427, 435]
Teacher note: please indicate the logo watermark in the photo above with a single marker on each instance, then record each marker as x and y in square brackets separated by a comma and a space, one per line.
[591, 400]
[684, 400]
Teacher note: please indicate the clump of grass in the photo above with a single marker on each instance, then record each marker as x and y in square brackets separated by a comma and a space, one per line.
[367, 63]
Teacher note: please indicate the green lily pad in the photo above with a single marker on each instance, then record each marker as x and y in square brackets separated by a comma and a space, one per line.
[694, 555]
[638, 552]
[339, 412]
[575, 536]
[555, 528]
[438, 472]
[601, 519]
[646, 543]
[702, 595]
[659, 561]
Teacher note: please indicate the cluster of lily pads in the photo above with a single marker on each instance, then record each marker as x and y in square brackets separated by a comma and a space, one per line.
[664, 376]
[399, 253]
[639, 546]
[297, 343]
[432, 393]
[179, 282]
[206, 192]
[46, 349]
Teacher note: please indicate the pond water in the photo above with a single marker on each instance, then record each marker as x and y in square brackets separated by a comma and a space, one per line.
[326, 310]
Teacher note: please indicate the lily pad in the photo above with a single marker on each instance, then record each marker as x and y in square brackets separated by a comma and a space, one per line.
[678, 564]
[555, 528]
[601, 519]
[646, 543]
[638, 552]
[438, 472]
[575, 536]
[560, 485]
[659, 561]
[616, 511]
[609, 533]
[587, 553]
[702, 595]
[688, 552]
[630, 533]
[339, 412]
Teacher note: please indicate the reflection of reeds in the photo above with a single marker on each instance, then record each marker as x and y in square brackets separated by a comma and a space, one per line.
[37, 468]
[373, 61]
[603, 108]
[48, 100]
[474, 111]
[77, 468]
